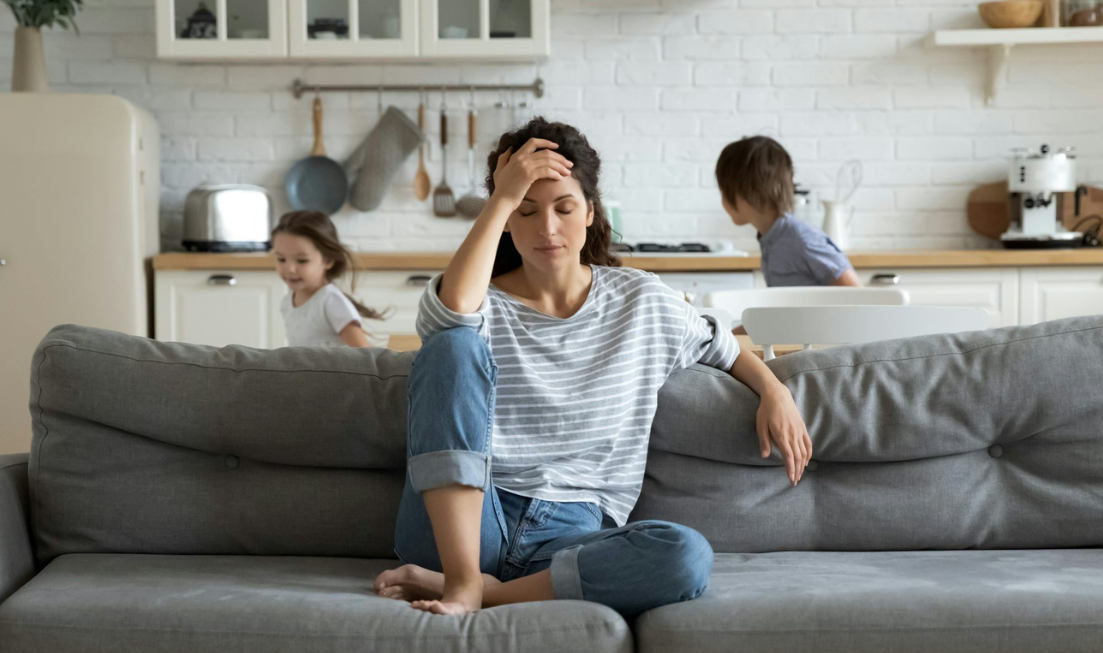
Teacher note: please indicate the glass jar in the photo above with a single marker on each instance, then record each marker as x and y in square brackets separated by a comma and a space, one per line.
[1084, 13]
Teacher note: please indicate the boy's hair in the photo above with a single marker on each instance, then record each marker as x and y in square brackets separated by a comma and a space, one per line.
[316, 227]
[758, 170]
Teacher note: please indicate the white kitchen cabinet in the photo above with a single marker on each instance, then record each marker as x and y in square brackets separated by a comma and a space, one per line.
[224, 307]
[993, 289]
[1059, 292]
[485, 29]
[398, 291]
[372, 29]
[400, 30]
[202, 306]
[218, 308]
[241, 29]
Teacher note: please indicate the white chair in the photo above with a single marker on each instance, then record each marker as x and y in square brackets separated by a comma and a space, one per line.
[737, 301]
[841, 325]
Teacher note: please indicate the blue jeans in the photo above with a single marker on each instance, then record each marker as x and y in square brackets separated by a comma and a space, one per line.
[631, 569]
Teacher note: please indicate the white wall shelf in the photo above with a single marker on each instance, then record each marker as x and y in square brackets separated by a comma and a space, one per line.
[1000, 42]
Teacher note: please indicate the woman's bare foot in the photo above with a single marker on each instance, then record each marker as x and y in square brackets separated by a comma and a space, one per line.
[457, 599]
[414, 583]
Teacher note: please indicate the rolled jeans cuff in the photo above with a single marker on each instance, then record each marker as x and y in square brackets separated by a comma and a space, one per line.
[428, 471]
[566, 583]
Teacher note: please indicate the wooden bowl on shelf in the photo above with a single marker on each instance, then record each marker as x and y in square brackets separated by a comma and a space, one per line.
[1010, 13]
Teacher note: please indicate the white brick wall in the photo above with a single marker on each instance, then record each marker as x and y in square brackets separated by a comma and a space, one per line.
[659, 86]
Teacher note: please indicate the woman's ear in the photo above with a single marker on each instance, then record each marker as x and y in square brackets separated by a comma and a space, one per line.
[589, 213]
[328, 264]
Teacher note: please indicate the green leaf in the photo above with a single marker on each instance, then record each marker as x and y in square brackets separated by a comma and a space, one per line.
[45, 13]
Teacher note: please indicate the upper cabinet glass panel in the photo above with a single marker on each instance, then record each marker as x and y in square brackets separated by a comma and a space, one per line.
[247, 19]
[353, 29]
[221, 29]
[195, 19]
[510, 19]
[380, 19]
[459, 19]
[327, 20]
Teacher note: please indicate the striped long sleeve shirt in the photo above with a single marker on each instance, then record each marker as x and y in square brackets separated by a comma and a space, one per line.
[576, 396]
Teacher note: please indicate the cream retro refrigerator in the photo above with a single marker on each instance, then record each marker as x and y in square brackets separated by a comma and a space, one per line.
[79, 188]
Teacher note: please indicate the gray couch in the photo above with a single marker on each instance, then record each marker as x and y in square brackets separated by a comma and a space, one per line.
[181, 498]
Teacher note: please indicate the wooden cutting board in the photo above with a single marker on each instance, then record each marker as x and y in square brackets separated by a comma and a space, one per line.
[988, 212]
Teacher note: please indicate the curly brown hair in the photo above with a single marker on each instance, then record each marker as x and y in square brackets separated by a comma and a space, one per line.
[316, 227]
[587, 168]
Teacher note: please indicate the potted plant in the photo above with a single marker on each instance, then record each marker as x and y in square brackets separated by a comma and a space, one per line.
[29, 62]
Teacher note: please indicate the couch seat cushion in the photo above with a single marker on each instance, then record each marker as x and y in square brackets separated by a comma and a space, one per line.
[180, 603]
[915, 601]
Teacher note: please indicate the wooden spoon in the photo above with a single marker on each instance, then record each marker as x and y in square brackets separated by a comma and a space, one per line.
[422, 185]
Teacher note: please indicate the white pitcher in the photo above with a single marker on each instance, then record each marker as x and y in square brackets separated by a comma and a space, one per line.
[837, 217]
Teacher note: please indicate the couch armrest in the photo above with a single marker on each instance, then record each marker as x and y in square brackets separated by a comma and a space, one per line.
[16, 556]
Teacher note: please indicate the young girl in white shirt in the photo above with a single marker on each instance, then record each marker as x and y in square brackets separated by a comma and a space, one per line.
[309, 257]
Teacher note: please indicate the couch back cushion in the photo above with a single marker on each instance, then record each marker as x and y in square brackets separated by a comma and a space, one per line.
[152, 447]
[988, 439]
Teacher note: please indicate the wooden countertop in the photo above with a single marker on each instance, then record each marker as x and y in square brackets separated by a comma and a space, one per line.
[402, 342]
[683, 263]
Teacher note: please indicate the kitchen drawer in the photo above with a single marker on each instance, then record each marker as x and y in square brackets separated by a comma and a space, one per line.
[993, 289]
[219, 307]
[1055, 293]
[398, 291]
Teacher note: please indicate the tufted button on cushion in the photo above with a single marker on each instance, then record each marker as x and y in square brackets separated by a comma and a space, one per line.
[232, 462]
[995, 451]
[812, 465]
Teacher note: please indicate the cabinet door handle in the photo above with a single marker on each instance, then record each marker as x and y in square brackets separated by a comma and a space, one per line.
[221, 280]
[890, 279]
[421, 280]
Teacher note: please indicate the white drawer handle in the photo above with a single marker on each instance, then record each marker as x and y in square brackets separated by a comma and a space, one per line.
[421, 280]
[221, 280]
[886, 279]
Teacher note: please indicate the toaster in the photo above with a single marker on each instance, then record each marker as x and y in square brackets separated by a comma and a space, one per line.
[227, 218]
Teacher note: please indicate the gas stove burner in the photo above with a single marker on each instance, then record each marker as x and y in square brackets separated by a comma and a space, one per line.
[666, 249]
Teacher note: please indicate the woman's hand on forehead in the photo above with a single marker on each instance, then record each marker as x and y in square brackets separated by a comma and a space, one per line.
[537, 144]
[533, 161]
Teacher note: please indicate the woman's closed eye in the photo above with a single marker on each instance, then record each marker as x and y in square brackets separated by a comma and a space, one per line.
[561, 210]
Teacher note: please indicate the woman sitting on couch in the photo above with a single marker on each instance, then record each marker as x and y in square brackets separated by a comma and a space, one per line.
[532, 398]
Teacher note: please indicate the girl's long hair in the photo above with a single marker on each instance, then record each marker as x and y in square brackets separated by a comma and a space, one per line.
[316, 227]
[587, 168]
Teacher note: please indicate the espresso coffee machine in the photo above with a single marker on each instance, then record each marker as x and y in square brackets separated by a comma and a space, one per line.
[1035, 180]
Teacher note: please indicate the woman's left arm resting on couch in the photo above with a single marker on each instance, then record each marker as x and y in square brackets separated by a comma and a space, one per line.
[778, 418]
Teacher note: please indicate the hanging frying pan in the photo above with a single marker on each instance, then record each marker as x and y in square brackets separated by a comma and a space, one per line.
[316, 183]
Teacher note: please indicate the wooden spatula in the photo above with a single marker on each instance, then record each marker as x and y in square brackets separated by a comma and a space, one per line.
[421, 178]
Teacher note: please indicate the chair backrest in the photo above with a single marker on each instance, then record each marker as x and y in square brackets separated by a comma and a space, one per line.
[840, 325]
[737, 301]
